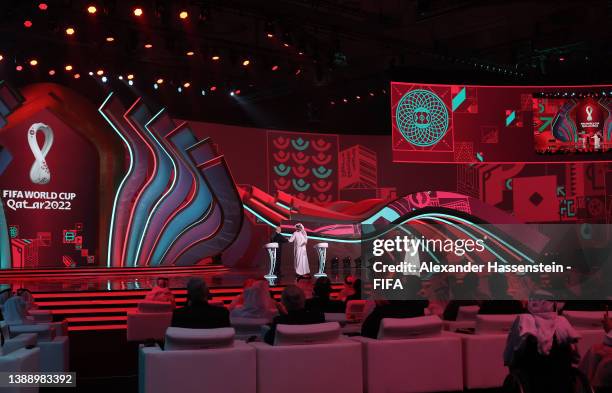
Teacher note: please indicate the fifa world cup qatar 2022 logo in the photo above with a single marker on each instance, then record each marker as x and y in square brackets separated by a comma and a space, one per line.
[40, 173]
[421, 118]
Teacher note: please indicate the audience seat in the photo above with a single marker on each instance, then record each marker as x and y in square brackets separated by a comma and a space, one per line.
[412, 355]
[355, 309]
[20, 360]
[248, 327]
[466, 319]
[307, 359]
[198, 361]
[588, 324]
[54, 350]
[483, 363]
[41, 316]
[149, 321]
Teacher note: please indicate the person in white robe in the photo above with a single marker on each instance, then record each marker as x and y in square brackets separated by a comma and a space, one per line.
[299, 240]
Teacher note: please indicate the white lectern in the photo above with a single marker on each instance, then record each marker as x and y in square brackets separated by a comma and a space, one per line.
[271, 247]
[322, 252]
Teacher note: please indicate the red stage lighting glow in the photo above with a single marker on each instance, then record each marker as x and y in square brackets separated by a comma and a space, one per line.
[51, 72]
[42, 6]
[27, 23]
[19, 68]
[77, 76]
[274, 67]
[33, 62]
[213, 88]
[138, 11]
[237, 92]
[68, 67]
[92, 9]
[561, 58]
[246, 62]
[298, 71]
[183, 15]
[70, 31]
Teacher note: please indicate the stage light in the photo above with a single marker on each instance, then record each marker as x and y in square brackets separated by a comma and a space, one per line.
[90, 73]
[216, 58]
[270, 29]
[246, 62]
[1, 57]
[159, 81]
[332, 102]
[274, 67]
[70, 31]
[51, 72]
[104, 79]
[130, 82]
[371, 94]
[148, 46]
[100, 72]
[42, 6]
[120, 77]
[19, 68]
[179, 89]
[130, 76]
[344, 100]
[213, 88]
[237, 92]
[33, 62]
[138, 11]
[561, 58]
[155, 86]
[27, 23]
[110, 39]
[231, 93]
[77, 76]
[68, 67]
[92, 9]
[298, 71]
[183, 15]
[190, 53]
[203, 92]
[186, 85]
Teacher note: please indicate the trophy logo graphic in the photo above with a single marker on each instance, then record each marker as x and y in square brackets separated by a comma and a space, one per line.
[589, 112]
[39, 173]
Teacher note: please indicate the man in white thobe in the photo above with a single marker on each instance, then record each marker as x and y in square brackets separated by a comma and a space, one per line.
[299, 240]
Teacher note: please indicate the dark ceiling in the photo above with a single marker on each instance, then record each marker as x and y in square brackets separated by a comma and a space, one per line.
[326, 52]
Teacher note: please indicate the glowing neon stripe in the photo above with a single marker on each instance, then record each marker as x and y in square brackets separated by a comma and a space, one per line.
[283, 206]
[163, 197]
[261, 218]
[510, 118]
[121, 184]
[143, 188]
[458, 99]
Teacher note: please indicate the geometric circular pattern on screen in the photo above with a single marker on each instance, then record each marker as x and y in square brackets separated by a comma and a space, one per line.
[421, 117]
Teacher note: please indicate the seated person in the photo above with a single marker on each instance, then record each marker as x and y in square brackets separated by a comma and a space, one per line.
[466, 294]
[239, 299]
[161, 292]
[198, 314]
[15, 311]
[501, 302]
[321, 301]
[27, 297]
[356, 291]
[541, 347]
[413, 306]
[293, 300]
[348, 289]
[257, 303]
[597, 362]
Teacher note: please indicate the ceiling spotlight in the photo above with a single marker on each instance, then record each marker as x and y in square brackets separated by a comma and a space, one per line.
[190, 53]
[148, 46]
[120, 77]
[216, 58]
[77, 76]
[213, 88]
[203, 92]
[237, 92]
[42, 6]
[104, 79]
[51, 72]
[159, 81]
[269, 29]
[232, 93]
[110, 39]
[155, 86]
[90, 73]
[100, 72]
[183, 14]
[68, 67]
[131, 83]
[70, 31]
[274, 67]
[33, 62]
[186, 85]
[179, 89]
[27, 23]
[246, 62]
[19, 68]
[138, 11]
[298, 71]
[92, 9]
[1, 57]
[130, 76]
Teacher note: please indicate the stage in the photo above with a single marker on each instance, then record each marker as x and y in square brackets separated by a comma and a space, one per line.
[100, 298]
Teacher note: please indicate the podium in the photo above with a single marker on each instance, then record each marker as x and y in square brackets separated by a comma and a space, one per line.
[322, 253]
[271, 247]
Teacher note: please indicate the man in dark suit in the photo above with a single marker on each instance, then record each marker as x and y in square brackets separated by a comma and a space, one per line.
[321, 300]
[198, 314]
[293, 300]
[280, 239]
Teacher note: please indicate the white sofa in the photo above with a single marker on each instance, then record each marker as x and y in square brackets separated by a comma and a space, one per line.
[466, 319]
[15, 357]
[197, 361]
[483, 363]
[588, 324]
[307, 359]
[412, 355]
[248, 327]
[149, 321]
[54, 349]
